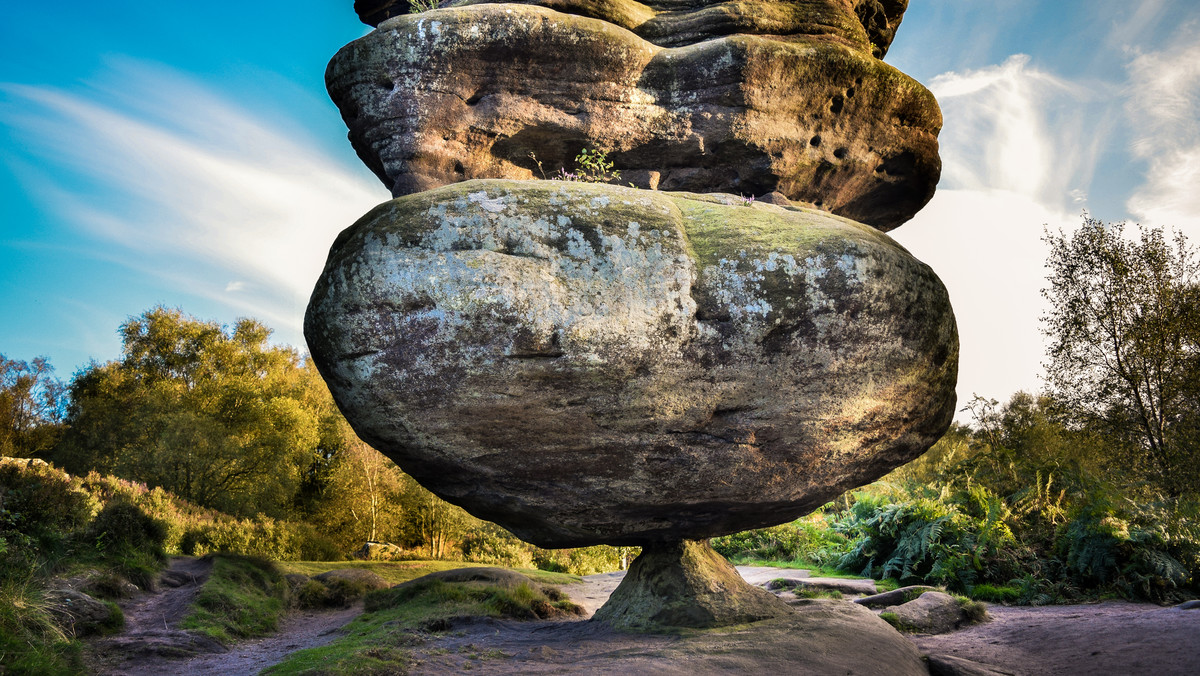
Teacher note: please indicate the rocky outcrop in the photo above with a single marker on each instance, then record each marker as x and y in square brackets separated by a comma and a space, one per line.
[931, 613]
[590, 364]
[832, 584]
[744, 98]
[80, 614]
[894, 597]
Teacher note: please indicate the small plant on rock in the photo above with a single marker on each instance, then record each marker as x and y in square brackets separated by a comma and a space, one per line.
[418, 6]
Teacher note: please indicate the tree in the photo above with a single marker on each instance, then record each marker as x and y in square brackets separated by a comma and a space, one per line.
[1124, 326]
[361, 496]
[218, 416]
[31, 407]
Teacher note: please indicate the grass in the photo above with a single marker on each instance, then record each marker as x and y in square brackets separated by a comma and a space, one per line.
[243, 597]
[995, 594]
[30, 641]
[400, 620]
[396, 572]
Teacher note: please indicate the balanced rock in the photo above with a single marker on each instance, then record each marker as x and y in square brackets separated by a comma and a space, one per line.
[745, 98]
[589, 363]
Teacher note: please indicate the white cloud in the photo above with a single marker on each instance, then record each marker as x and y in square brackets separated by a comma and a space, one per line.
[1162, 99]
[1018, 149]
[986, 247]
[1016, 128]
[184, 182]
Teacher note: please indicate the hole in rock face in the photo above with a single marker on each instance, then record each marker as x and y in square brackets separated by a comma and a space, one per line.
[475, 98]
[459, 169]
[850, 93]
[840, 153]
[815, 141]
[387, 84]
[836, 104]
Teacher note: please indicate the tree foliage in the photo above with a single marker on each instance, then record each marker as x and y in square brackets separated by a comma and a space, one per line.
[32, 406]
[219, 417]
[1124, 355]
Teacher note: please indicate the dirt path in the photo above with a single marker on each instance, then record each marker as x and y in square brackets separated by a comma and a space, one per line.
[1090, 640]
[1114, 637]
[152, 643]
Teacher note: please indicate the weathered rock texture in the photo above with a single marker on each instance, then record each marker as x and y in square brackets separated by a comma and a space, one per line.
[746, 98]
[589, 363]
[863, 24]
[686, 584]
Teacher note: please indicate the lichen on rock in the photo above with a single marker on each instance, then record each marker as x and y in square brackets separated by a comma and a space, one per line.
[589, 363]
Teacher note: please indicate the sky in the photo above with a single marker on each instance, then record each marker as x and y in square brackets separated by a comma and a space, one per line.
[187, 155]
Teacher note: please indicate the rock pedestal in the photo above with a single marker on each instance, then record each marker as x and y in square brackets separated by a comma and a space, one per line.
[686, 584]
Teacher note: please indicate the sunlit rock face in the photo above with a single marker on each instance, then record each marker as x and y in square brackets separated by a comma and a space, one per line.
[744, 98]
[589, 363]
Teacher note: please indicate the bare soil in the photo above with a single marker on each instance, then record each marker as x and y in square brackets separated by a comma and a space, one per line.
[1113, 637]
[1094, 639]
[153, 644]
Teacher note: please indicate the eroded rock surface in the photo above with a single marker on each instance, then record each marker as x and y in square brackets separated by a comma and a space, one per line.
[864, 24]
[686, 584]
[589, 363]
[745, 98]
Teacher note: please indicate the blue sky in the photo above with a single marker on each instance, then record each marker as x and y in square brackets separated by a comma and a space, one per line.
[187, 155]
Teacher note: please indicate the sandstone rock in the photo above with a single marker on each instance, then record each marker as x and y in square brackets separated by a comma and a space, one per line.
[894, 597]
[82, 614]
[1189, 605]
[588, 363]
[378, 551]
[865, 24]
[845, 586]
[161, 643]
[686, 584]
[484, 91]
[949, 665]
[931, 613]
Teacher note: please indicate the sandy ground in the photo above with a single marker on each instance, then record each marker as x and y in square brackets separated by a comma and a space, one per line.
[1113, 637]
[1118, 638]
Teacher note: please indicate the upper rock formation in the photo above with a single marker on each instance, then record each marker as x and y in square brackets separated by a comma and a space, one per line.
[739, 97]
[591, 364]
[869, 24]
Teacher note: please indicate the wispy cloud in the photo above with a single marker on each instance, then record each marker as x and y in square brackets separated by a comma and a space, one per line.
[1018, 128]
[192, 187]
[1163, 97]
[1018, 150]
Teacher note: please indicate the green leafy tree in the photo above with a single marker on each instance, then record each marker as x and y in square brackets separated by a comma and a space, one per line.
[362, 496]
[217, 416]
[31, 407]
[1124, 356]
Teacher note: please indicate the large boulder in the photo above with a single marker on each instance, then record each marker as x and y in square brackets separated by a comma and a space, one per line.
[693, 102]
[589, 363]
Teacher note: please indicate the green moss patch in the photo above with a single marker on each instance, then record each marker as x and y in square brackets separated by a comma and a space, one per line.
[243, 597]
